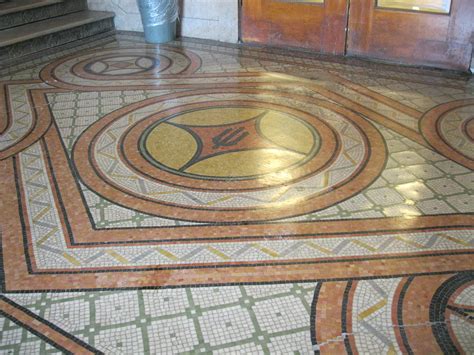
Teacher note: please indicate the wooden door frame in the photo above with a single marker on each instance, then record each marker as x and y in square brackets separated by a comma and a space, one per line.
[346, 52]
[435, 39]
[331, 41]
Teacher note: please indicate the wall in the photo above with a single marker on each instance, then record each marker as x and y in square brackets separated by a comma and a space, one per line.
[209, 19]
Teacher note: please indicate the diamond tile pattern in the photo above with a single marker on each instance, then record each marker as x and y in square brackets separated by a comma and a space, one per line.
[361, 245]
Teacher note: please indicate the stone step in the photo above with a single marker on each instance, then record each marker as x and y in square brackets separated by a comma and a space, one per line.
[20, 12]
[10, 7]
[34, 37]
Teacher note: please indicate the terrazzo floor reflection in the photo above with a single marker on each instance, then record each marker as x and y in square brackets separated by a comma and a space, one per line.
[203, 198]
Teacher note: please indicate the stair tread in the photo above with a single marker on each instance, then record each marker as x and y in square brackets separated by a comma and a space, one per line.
[22, 5]
[41, 28]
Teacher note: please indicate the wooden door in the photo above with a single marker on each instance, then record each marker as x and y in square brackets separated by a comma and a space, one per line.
[318, 25]
[418, 32]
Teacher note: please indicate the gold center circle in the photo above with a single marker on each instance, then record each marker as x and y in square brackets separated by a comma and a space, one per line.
[228, 143]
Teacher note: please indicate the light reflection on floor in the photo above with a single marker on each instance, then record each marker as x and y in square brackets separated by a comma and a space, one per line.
[206, 198]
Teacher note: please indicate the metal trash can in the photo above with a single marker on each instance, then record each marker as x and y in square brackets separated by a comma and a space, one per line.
[159, 19]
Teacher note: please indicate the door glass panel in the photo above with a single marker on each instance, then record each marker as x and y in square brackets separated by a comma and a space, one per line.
[437, 6]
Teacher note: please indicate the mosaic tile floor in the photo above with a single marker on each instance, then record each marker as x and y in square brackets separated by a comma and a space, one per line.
[203, 198]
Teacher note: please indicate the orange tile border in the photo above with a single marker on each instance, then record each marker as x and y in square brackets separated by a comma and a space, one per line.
[44, 329]
[326, 331]
[377, 97]
[38, 127]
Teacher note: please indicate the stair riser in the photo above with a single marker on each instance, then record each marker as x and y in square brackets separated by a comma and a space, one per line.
[41, 13]
[55, 39]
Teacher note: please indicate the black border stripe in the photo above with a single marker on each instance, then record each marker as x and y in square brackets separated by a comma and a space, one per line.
[315, 280]
[21, 214]
[312, 317]
[2, 266]
[345, 302]
[438, 306]
[228, 265]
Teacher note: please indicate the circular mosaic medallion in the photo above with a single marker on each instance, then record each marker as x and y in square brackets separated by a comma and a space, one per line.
[223, 146]
[120, 67]
[449, 128]
[229, 157]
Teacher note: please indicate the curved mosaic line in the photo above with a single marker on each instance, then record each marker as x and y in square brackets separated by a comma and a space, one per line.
[123, 68]
[96, 156]
[419, 324]
[21, 123]
[451, 318]
[415, 314]
[449, 128]
[183, 147]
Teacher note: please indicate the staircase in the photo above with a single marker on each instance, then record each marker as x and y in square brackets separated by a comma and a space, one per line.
[29, 26]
